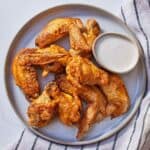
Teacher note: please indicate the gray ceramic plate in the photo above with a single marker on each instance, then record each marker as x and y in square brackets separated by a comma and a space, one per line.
[135, 80]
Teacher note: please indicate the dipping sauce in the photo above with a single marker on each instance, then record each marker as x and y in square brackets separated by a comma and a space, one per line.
[116, 52]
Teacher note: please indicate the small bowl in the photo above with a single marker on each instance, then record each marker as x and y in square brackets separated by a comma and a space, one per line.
[110, 60]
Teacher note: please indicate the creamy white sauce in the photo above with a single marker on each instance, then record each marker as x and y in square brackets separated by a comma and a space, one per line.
[116, 53]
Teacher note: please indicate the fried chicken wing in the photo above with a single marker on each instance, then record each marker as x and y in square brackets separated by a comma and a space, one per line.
[58, 65]
[96, 103]
[56, 29]
[25, 77]
[53, 101]
[81, 42]
[48, 55]
[92, 31]
[42, 110]
[117, 96]
[82, 71]
[78, 43]
[69, 107]
[23, 66]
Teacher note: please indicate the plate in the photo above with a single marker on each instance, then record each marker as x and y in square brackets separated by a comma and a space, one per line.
[135, 80]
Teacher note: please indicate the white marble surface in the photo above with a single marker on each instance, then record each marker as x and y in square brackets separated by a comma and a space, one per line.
[13, 14]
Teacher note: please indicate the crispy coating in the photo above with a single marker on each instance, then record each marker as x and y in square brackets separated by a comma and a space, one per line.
[95, 110]
[58, 65]
[117, 96]
[42, 110]
[25, 76]
[78, 43]
[24, 63]
[69, 106]
[92, 31]
[82, 71]
[96, 103]
[55, 67]
[81, 42]
[56, 29]
[53, 101]
[37, 56]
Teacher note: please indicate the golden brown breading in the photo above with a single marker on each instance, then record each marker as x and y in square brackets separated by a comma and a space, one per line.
[81, 42]
[117, 96]
[69, 106]
[96, 103]
[23, 66]
[92, 31]
[25, 77]
[53, 101]
[56, 29]
[42, 110]
[78, 43]
[55, 67]
[82, 71]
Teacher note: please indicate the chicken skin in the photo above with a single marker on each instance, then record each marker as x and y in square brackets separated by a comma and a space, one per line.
[82, 71]
[25, 76]
[78, 43]
[117, 96]
[56, 29]
[92, 31]
[96, 103]
[42, 110]
[51, 102]
[24, 63]
[81, 42]
[69, 106]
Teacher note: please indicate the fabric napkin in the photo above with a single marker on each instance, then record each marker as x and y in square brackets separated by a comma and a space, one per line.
[136, 135]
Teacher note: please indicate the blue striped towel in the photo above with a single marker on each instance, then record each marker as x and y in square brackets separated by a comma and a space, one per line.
[136, 135]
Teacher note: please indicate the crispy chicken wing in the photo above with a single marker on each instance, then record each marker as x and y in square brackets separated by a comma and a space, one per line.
[53, 101]
[95, 110]
[81, 42]
[58, 65]
[42, 110]
[56, 29]
[25, 76]
[82, 71]
[96, 103]
[117, 96]
[69, 106]
[78, 43]
[23, 66]
[43, 56]
[92, 31]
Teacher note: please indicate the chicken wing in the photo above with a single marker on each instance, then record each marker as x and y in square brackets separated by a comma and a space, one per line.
[92, 31]
[117, 96]
[58, 65]
[69, 107]
[23, 66]
[42, 110]
[81, 42]
[55, 67]
[53, 101]
[78, 43]
[96, 103]
[82, 71]
[25, 77]
[56, 29]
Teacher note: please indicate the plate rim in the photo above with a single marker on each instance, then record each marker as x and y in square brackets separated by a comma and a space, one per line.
[94, 140]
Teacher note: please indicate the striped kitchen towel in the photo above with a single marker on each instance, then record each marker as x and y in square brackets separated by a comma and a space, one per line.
[136, 135]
